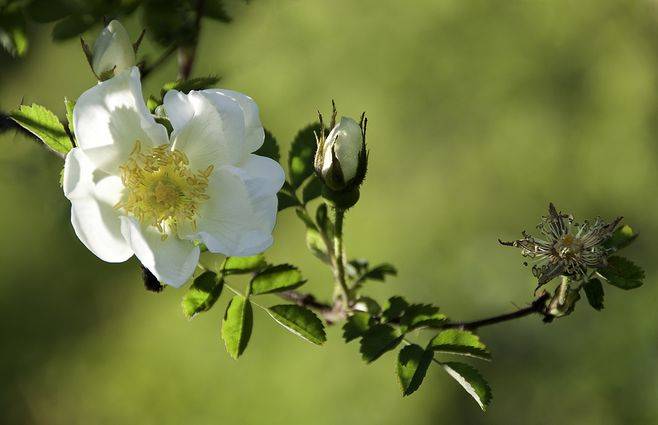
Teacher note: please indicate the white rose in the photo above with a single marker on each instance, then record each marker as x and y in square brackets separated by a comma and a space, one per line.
[342, 153]
[112, 50]
[136, 190]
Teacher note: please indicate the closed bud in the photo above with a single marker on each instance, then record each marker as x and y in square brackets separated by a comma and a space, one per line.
[341, 158]
[113, 51]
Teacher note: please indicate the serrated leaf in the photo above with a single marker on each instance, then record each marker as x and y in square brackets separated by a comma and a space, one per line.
[237, 325]
[621, 238]
[186, 86]
[623, 273]
[594, 293]
[300, 321]
[69, 104]
[378, 340]
[395, 309]
[312, 189]
[317, 246]
[377, 273]
[279, 278]
[460, 342]
[287, 198]
[202, 295]
[412, 366]
[471, 380]
[420, 315]
[72, 26]
[304, 217]
[270, 147]
[302, 155]
[356, 325]
[243, 265]
[45, 125]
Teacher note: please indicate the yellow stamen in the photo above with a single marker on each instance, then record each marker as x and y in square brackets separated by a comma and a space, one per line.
[161, 189]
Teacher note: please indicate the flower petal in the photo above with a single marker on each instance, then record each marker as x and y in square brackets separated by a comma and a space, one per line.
[172, 260]
[266, 173]
[254, 133]
[239, 217]
[93, 216]
[110, 117]
[208, 128]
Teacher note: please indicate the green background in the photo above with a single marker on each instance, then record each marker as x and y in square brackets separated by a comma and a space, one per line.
[480, 113]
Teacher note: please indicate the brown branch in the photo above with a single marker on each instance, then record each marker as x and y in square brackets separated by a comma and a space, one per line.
[187, 54]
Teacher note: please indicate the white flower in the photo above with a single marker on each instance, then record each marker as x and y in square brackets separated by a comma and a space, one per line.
[135, 190]
[113, 50]
[342, 153]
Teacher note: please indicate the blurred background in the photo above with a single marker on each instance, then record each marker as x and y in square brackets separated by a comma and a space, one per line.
[480, 114]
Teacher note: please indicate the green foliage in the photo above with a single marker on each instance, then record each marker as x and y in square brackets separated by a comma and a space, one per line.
[461, 342]
[621, 238]
[471, 380]
[46, 11]
[316, 244]
[45, 125]
[185, 86]
[363, 273]
[312, 189]
[202, 295]
[300, 321]
[170, 21]
[12, 31]
[419, 315]
[69, 104]
[356, 325]
[412, 365]
[243, 265]
[276, 279]
[287, 197]
[302, 154]
[73, 25]
[396, 307]
[215, 9]
[594, 292]
[270, 148]
[623, 273]
[378, 340]
[237, 325]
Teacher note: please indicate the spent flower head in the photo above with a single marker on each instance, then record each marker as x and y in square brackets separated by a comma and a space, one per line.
[566, 248]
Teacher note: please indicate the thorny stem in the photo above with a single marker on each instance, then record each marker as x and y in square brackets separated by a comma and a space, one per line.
[339, 259]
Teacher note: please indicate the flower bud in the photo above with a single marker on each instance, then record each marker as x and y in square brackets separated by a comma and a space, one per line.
[341, 159]
[112, 52]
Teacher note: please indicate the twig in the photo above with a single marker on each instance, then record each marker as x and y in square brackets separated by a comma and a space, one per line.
[148, 68]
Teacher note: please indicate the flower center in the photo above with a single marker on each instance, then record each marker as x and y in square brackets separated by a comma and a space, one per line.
[161, 189]
[568, 246]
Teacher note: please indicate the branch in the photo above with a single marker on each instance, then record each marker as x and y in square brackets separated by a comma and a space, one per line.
[187, 54]
[147, 69]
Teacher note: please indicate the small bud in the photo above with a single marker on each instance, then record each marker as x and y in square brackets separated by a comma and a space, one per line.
[113, 51]
[341, 158]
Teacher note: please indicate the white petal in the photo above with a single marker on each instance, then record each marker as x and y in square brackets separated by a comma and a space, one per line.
[179, 110]
[235, 221]
[266, 172]
[214, 135]
[254, 133]
[172, 260]
[110, 117]
[93, 216]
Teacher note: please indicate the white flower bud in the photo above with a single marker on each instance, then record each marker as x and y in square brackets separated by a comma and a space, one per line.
[112, 50]
[342, 153]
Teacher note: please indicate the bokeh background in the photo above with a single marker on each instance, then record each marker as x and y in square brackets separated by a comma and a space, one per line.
[480, 114]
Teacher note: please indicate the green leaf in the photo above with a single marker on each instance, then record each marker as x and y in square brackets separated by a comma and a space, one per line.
[215, 9]
[317, 246]
[276, 279]
[378, 340]
[594, 292]
[377, 273]
[270, 148]
[303, 216]
[13, 37]
[45, 125]
[237, 325]
[300, 321]
[412, 366]
[370, 305]
[460, 342]
[395, 309]
[70, 104]
[243, 265]
[623, 273]
[170, 21]
[471, 380]
[356, 325]
[45, 11]
[302, 155]
[202, 295]
[186, 86]
[420, 315]
[323, 221]
[72, 26]
[312, 189]
[287, 197]
[621, 238]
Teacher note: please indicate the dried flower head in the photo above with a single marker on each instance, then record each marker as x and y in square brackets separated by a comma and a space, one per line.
[566, 248]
